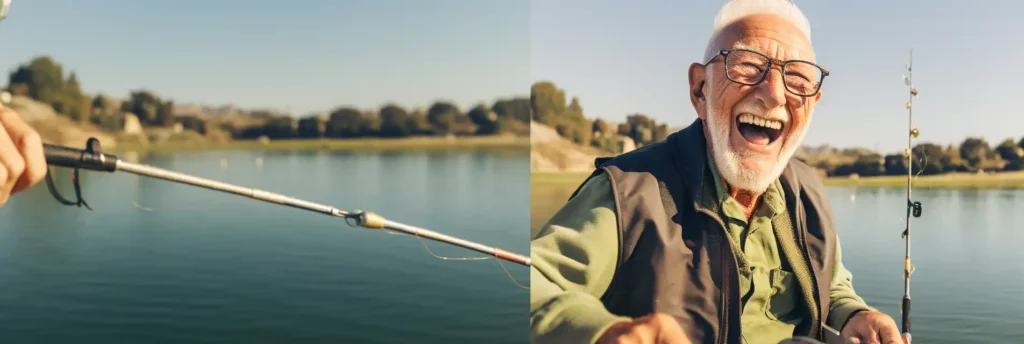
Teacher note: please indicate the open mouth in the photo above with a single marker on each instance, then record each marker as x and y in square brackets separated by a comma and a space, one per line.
[758, 131]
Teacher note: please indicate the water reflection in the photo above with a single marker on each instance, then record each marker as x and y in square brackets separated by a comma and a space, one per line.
[207, 263]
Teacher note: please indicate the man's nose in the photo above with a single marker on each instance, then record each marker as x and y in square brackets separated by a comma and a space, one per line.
[772, 91]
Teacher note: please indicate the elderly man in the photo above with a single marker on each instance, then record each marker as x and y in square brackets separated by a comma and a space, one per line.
[714, 235]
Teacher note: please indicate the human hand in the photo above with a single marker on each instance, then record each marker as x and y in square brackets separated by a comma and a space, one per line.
[657, 328]
[22, 163]
[872, 327]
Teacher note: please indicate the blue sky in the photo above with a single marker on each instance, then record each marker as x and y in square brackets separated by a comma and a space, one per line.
[618, 57]
[622, 57]
[301, 56]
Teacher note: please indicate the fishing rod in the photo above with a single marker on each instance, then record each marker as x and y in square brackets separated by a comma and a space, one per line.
[913, 207]
[92, 158]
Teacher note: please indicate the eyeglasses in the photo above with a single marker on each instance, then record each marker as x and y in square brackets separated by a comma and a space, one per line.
[749, 68]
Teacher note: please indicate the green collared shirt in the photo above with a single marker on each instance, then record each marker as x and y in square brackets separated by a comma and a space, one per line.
[575, 254]
[769, 292]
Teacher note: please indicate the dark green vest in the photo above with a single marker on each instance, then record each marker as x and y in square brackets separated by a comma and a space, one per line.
[691, 274]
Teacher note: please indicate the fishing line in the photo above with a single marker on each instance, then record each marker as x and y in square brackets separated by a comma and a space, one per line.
[136, 204]
[440, 257]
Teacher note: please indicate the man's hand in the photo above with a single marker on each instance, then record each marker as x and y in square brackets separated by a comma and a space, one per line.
[658, 328]
[871, 327]
[22, 163]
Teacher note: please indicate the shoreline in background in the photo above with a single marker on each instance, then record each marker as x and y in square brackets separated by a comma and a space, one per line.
[419, 143]
[999, 180]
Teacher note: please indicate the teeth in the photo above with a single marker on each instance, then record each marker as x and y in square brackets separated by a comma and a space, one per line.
[761, 122]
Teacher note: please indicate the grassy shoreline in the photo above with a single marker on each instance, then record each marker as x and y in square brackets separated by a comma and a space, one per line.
[999, 180]
[1003, 180]
[410, 144]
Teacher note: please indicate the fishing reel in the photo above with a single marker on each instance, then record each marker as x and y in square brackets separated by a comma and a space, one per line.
[915, 210]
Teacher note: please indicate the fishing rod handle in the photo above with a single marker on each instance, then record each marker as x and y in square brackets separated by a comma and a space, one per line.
[63, 156]
[906, 314]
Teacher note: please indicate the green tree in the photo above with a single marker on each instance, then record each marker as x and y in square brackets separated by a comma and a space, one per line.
[42, 77]
[418, 121]
[953, 162]
[105, 105]
[508, 125]
[192, 123]
[486, 121]
[624, 129]
[75, 104]
[1012, 154]
[974, 150]
[165, 113]
[546, 102]
[396, 122]
[517, 109]
[145, 105]
[347, 122]
[443, 117]
[641, 129]
[310, 127]
[601, 126]
[895, 164]
[869, 165]
[931, 158]
[574, 110]
[280, 128]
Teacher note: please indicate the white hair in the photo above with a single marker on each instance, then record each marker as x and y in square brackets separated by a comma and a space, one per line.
[734, 10]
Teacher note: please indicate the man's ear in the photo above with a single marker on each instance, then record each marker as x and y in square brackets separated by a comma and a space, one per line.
[812, 101]
[698, 79]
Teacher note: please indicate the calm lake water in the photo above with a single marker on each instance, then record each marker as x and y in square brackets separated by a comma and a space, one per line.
[967, 249]
[199, 266]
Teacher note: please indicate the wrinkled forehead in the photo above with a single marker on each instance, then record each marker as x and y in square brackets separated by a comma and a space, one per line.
[765, 33]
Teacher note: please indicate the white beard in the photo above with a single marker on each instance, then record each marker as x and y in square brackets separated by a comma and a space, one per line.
[747, 170]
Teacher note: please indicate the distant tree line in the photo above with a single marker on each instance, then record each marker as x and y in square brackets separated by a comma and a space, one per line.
[44, 80]
[974, 154]
[506, 116]
[551, 109]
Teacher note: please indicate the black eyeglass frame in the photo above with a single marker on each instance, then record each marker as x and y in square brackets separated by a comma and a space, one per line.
[771, 62]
